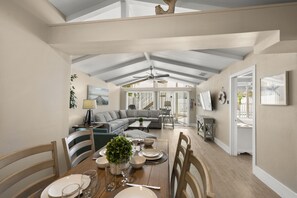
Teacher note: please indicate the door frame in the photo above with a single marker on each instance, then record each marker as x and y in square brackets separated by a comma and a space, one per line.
[232, 110]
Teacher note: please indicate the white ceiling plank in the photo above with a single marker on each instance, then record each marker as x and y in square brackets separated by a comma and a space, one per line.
[129, 82]
[82, 58]
[126, 75]
[148, 58]
[182, 80]
[188, 65]
[118, 66]
[220, 54]
[93, 11]
[180, 73]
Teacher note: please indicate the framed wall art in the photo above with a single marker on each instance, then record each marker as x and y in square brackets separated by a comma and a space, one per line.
[98, 94]
[274, 89]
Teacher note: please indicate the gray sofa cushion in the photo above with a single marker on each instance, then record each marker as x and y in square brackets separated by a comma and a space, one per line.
[154, 113]
[152, 119]
[142, 113]
[107, 116]
[115, 124]
[118, 114]
[100, 117]
[131, 113]
[123, 114]
[113, 115]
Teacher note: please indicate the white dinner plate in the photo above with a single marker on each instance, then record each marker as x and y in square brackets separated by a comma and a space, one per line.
[150, 152]
[55, 188]
[152, 158]
[136, 192]
[102, 152]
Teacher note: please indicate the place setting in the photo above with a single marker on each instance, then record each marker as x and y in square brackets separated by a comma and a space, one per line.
[75, 185]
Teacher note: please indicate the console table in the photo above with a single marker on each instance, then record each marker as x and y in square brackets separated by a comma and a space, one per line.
[205, 127]
[86, 126]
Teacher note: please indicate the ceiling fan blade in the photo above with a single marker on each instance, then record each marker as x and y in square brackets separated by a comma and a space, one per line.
[162, 75]
[137, 81]
[162, 81]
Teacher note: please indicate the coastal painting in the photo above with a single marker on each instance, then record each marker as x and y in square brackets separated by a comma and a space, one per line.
[98, 94]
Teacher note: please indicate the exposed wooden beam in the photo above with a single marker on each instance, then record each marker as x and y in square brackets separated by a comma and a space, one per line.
[118, 66]
[180, 73]
[187, 81]
[124, 9]
[126, 75]
[183, 64]
[182, 4]
[93, 11]
[82, 58]
[220, 54]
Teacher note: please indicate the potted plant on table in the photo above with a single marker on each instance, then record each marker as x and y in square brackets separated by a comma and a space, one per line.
[140, 121]
[118, 153]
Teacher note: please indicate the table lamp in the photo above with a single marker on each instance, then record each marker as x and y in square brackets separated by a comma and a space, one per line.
[89, 104]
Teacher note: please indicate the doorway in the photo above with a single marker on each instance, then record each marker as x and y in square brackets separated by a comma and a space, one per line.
[179, 105]
[242, 113]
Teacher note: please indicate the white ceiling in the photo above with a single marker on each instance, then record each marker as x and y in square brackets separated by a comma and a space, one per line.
[189, 66]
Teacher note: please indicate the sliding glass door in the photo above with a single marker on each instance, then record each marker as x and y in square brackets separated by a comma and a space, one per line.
[178, 103]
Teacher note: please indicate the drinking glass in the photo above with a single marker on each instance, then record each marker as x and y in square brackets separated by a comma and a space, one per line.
[71, 191]
[127, 178]
[89, 177]
[110, 180]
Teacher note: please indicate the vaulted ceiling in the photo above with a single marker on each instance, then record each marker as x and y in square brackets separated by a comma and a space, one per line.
[193, 67]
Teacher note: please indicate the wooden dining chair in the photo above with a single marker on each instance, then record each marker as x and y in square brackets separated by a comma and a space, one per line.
[183, 144]
[39, 159]
[195, 175]
[78, 146]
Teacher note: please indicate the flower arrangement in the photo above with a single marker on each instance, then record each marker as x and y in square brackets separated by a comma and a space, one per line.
[118, 150]
[140, 120]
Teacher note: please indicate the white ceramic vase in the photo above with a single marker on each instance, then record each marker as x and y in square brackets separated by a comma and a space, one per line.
[116, 169]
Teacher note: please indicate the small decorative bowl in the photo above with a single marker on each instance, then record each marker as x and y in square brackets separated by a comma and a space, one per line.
[137, 161]
[148, 141]
[102, 162]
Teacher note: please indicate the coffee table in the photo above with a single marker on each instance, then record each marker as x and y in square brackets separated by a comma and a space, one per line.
[136, 125]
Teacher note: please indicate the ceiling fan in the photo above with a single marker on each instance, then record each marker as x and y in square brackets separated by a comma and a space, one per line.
[151, 75]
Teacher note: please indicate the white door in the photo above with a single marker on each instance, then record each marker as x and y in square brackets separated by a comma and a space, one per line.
[242, 112]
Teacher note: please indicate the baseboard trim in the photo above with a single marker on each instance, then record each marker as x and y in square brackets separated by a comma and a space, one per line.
[274, 184]
[222, 145]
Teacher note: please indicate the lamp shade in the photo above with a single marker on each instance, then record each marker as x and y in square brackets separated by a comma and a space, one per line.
[89, 104]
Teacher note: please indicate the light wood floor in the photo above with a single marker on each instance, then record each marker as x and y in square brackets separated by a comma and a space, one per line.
[231, 176]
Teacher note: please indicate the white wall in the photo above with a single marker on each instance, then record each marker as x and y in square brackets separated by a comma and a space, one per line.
[34, 83]
[81, 83]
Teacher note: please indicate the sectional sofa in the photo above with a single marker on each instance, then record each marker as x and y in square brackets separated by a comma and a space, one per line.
[116, 122]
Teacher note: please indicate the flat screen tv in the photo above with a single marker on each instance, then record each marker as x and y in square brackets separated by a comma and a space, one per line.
[205, 99]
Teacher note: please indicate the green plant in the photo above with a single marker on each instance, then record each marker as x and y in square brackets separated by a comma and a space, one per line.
[118, 150]
[72, 100]
[140, 119]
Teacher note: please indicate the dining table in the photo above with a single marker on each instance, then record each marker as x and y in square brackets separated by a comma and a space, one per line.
[152, 173]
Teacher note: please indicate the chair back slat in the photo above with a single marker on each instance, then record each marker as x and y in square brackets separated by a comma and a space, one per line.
[81, 157]
[183, 144]
[34, 167]
[13, 157]
[78, 146]
[201, 184]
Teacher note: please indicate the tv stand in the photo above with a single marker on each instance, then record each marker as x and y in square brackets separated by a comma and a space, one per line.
[205, 127]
